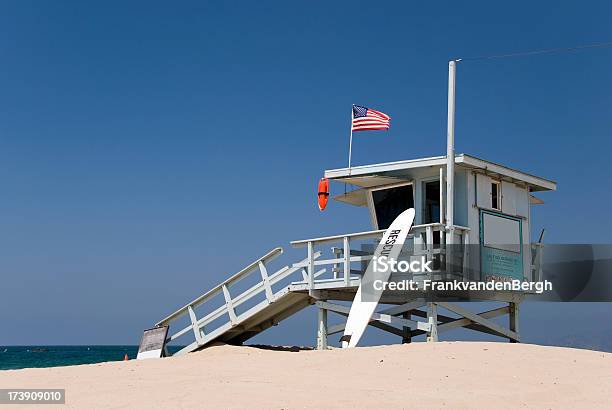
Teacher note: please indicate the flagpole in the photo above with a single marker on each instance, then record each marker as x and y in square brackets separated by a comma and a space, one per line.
[450, 164]
[351, 141]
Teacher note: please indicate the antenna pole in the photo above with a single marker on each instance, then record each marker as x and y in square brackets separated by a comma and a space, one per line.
[450, 161]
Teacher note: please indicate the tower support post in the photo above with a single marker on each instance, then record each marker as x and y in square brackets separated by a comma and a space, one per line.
[432, 316]
[513, 315]
[322, 329]
[407, 333]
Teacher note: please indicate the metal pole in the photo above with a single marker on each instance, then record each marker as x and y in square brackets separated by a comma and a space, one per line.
[450, 161]
[351, 140]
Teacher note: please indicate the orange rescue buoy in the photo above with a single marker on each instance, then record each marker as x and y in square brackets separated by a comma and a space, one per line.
[323, 193]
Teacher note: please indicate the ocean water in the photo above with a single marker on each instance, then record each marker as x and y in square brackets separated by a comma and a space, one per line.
[19, 357]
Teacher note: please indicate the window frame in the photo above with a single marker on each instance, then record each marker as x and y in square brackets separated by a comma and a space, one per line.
[498, 184]
[370, 198]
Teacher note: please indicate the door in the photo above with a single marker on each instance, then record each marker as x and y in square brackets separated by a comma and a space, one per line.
[431, 202]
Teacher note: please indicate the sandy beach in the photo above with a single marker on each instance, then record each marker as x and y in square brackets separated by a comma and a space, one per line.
[419, 375]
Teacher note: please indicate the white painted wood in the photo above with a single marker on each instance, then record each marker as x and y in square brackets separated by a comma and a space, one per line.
[396, 310]
[311, 267]
[509, 198]
[266, 282]
[337, 238]
[359, 175]
[480, 320]
[464, 321]
[466, 254]
[274, 253]
[346, 259]
[229, 304]
[194, 324]
[313, 282]
[522, 202]
[483, 191]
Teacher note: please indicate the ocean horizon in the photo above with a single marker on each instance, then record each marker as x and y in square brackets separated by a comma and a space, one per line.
[22, 357]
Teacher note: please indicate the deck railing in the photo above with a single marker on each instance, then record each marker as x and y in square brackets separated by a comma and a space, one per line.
[420, 242]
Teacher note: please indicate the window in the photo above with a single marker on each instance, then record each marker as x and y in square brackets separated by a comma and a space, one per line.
[495, 196]
[390, 202]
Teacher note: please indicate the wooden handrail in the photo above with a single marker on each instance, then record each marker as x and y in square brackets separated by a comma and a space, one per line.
[274, 253]
[367, 234]
[334, 238]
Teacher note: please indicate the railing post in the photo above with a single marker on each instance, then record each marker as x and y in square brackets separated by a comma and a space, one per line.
[336, 266]
[229, 305]
[540, 252]
[429, 242]
[266, 282]
[194, 324]
[448, 248]
[466, 253]
[311, 267]
[347, 260]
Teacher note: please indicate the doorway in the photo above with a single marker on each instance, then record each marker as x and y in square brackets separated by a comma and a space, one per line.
[431, 202]
[431, 212]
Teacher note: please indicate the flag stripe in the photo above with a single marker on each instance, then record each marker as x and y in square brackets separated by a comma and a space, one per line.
[361, 124]
[371, 129]
[378, 113]
[370, 122]
[367, 119]
[384, 124]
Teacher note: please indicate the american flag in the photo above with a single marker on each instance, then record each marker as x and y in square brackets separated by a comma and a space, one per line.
[367, 119]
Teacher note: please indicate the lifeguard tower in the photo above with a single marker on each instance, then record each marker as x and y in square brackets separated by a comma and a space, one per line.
[473, 222]
[490, 239]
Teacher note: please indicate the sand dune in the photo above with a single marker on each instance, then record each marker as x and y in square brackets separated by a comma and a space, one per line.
[419, 375]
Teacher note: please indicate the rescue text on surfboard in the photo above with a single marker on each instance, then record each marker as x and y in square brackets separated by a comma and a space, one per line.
[390, 242]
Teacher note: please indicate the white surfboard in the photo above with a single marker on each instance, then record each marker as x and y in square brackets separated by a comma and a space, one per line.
[362, 310]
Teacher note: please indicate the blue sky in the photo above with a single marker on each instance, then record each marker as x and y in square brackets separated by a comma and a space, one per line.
[135, 138]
